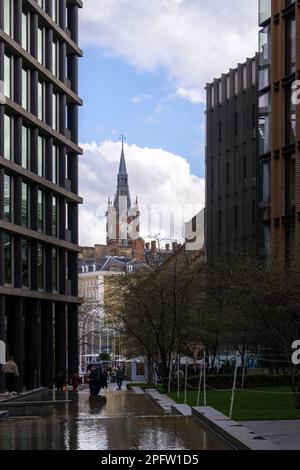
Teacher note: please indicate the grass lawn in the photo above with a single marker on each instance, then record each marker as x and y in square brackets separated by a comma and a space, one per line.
[250, 404]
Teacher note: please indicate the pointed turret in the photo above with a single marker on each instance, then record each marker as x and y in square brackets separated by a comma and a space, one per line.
[122, 167]
[122, 187]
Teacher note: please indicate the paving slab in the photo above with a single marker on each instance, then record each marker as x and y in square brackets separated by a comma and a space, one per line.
[285, 434]
[182, 410]
[237, 434]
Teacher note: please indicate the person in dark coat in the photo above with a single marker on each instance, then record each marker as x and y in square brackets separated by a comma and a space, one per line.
[60, 381]
[104, 378]
[95, 379]
[120, 377]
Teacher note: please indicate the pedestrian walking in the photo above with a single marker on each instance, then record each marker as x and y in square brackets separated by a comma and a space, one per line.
[120, 377]
[75, 381]
[104, 378]
[95, 380]
[11, 371]
[60, 381]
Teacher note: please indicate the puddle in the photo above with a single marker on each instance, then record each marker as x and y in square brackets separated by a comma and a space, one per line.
[115, 421]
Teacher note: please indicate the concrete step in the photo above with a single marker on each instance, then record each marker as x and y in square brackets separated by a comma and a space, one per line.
[163, 401]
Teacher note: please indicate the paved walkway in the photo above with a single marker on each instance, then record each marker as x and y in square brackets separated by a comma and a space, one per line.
[285, 434]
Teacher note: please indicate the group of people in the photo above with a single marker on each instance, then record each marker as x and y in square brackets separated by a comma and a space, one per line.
[96, 375]
[98, 378]
[61, 383]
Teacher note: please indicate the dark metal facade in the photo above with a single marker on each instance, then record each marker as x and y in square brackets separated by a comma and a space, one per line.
[232, 167]
[39, 186]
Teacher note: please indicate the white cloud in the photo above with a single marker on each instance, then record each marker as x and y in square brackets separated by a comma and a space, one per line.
[161, 179]
[193, 40]
[192, 95]
[140, 98]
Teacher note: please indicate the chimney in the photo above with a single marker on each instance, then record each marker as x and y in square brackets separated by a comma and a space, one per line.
[153, 248]
[168, 247]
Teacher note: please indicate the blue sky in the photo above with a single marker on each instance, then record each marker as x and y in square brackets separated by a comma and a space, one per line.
[118, 98]
[144, 71]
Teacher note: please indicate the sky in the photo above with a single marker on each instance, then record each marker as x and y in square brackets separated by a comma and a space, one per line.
[143, 74]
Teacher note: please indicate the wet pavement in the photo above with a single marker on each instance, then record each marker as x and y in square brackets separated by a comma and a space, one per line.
[117, 420]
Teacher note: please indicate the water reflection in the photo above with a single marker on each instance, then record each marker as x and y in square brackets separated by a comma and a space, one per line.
[116, 421]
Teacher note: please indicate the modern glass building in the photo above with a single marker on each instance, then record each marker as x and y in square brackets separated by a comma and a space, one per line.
[39, 186]
[279, 133]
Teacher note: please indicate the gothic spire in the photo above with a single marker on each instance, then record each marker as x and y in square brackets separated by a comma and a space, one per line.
[122, 168]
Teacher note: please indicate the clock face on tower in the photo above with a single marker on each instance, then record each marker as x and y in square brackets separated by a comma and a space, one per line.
[123, 180]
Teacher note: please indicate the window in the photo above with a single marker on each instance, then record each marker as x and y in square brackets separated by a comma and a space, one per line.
[25, 76]
[212, 96]
[245, 81]
[54, 216]
[40, 267]
[25, 21]
[7, 76]
[228, 87]
[40, 156]
[55, 10]
[212, 179]
[7, 137]
[41, 53]
[253, 72]
[7, 6]
[25, 263]
[291, 46]
[40, 211]
[25, 144]
[24, 211]
[265, 10]
[264, 126]
[41, 101]
[54, 269]
[41, 3]
[7, 259]
[220, 92]
[55, 58]
[291, 117]
[55, 111]
[220, 221]
[266, 182]
[7, 197]
[236, 82]
[228, 173]
[265, 57]
[54, 164]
